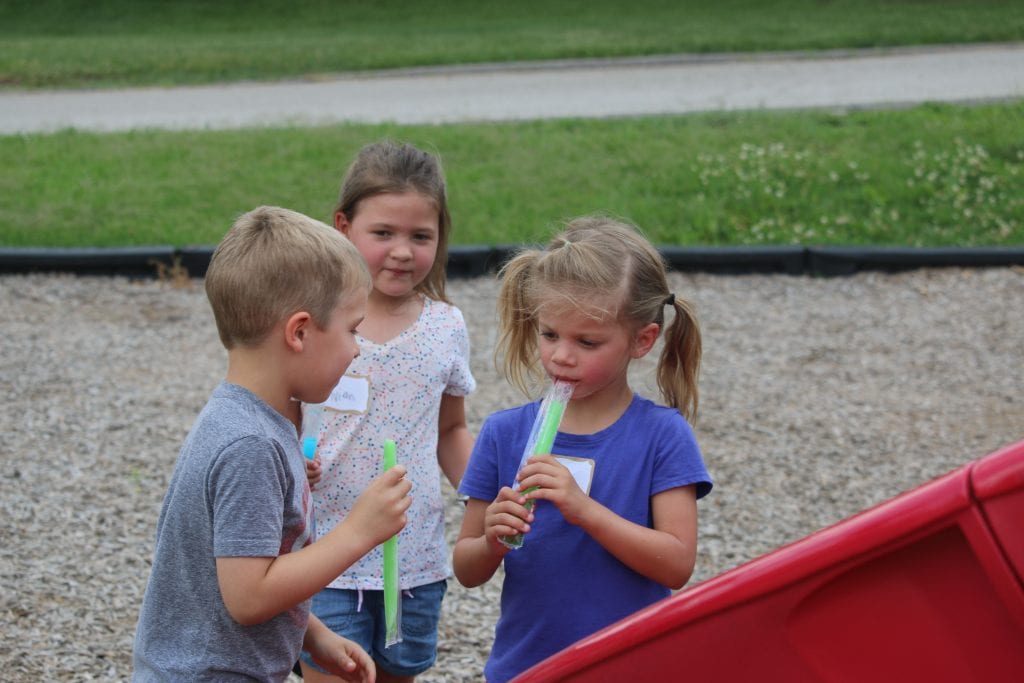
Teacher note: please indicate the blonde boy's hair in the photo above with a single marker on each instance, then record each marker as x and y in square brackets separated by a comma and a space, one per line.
[274, 262]
[607, 269]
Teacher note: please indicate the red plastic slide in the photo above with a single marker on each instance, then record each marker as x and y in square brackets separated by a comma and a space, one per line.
[928, 586]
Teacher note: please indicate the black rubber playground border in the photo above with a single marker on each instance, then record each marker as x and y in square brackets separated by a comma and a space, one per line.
[475, 261]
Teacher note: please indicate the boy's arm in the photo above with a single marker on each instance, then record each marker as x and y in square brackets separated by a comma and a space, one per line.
[338, 655]
[454, 441]
[256, 589]
[665, 554]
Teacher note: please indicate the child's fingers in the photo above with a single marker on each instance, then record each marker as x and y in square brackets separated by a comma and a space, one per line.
[389, 493]
[506, 525]
[349, 669]
[393, 480]
[395, 473]
[543, 464]
[539, 464]
[508, 517]
[511, 514]
[544, 480]
[508, 493]
[396, 493]
[313, 472]
[345, 663]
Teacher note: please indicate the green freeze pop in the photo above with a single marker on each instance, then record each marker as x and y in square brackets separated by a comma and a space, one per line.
[392, 633]
[542, 438]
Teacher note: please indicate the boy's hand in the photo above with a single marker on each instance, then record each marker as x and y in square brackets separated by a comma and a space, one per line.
[379, 511]
[554, 482]
[506, 516]
[313, 471]
[343, 658]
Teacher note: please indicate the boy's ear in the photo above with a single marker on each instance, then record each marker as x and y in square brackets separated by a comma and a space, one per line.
[645, 338]
[296, 330]
[341, 223]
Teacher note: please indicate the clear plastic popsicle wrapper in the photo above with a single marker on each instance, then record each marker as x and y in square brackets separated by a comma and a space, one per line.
[542, 438]
[312, 413]
[392, 611]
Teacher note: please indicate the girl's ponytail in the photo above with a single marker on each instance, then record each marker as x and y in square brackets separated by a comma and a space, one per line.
[679, 364]
[516, 350]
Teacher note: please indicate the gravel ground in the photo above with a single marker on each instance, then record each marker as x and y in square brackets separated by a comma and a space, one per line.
[820, 397]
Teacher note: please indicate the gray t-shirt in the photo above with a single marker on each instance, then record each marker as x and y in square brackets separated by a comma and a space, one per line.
[238, 489]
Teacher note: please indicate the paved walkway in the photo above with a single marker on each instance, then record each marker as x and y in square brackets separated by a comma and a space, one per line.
[591, 88]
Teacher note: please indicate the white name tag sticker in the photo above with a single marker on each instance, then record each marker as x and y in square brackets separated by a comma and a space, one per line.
[582, 470]
[352, 395]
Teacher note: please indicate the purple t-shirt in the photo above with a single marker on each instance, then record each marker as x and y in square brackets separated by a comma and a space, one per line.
[562, 585]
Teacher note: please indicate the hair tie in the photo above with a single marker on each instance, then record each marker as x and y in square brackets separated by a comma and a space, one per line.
[670, 300]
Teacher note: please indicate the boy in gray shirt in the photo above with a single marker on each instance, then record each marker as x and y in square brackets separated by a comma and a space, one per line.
[234, 565]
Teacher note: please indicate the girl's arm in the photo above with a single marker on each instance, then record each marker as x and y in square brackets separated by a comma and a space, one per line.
[665, 554]
[478, 552]
[255, 589]
[454, 442]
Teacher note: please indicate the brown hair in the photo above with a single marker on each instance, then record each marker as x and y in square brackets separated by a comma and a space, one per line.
[274, 262]
[392, 167]
[608, 269]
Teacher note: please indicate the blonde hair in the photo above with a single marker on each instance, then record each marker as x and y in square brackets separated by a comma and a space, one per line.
[391, 167]
[607, 269]
[274, 262]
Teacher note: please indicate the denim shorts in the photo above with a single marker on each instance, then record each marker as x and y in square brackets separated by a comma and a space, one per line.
[341, 612]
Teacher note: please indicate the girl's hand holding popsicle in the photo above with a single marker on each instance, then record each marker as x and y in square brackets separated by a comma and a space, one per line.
[544, 478]
[313, 471]
[506, 516]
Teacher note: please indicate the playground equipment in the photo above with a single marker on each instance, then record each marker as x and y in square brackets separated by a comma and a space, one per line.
[928, 586]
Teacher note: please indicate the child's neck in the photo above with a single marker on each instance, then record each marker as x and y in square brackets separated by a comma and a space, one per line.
[248, 370]
[591, 414]
[387, 317]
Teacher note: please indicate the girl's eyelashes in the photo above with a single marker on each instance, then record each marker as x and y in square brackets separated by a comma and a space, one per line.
[584, 342]
[384, 233]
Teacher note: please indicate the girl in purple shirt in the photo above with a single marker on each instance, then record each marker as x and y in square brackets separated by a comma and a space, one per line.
[614, 527]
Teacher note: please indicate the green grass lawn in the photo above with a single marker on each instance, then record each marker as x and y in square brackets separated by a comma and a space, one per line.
[928, 176]
[47, 43]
